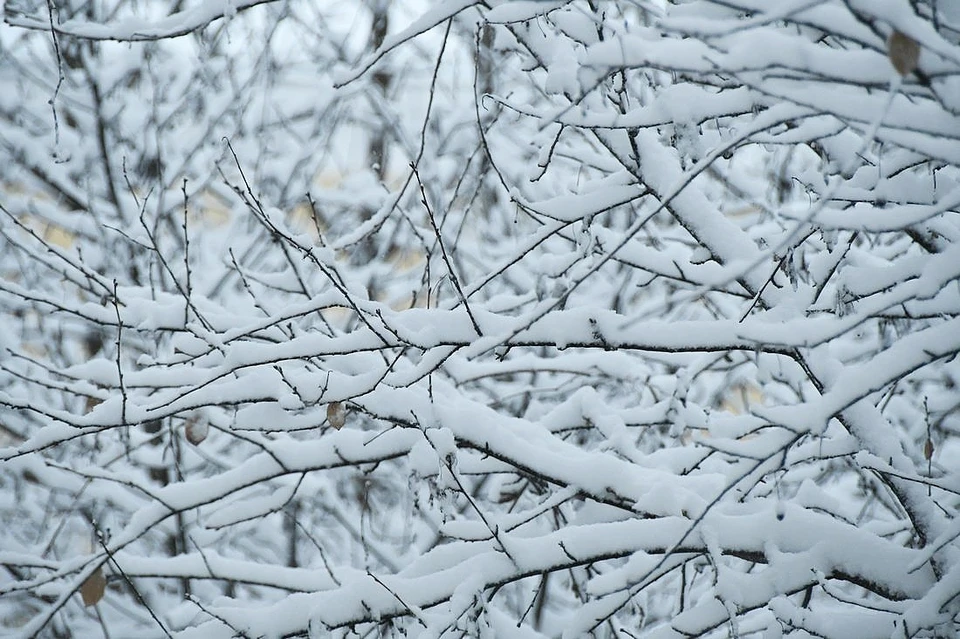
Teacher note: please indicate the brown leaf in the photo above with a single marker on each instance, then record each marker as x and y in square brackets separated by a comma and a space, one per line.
[92, 589]
[904, 52]
[196, 430]
[336, 415]
[92, 402]
[928, 449]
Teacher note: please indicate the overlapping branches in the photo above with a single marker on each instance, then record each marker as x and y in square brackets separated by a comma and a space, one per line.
[648, 327]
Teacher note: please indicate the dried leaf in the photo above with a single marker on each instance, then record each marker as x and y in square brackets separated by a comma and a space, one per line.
[904, 52]
[928, 449]
[92, 589]
[92, 402]
[336, 414]
[196, 430]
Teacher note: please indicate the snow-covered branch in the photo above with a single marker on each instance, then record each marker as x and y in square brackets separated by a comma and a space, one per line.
[563, 319]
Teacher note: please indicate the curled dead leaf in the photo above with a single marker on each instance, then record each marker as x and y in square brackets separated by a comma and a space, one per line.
[93, 588]
[928, 449]
[336, 414]
[904, 52]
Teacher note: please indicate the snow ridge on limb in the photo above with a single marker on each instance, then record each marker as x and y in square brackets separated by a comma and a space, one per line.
[131, 29]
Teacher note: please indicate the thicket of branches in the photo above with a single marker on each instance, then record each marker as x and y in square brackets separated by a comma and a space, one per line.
[532, 319]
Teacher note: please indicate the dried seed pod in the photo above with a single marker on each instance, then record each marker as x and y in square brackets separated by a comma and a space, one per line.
[904, 52]
[336, 414]
[928, 449]
[196, 430]
[93, 588]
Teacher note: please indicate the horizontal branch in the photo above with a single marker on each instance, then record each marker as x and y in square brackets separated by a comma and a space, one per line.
[140, 29]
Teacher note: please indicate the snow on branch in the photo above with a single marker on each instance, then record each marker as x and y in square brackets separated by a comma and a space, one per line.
[174, 25]
[568, 319]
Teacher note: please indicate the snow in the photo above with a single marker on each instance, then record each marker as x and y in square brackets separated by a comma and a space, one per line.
[134, 29]
[696, 374]
[521, 11]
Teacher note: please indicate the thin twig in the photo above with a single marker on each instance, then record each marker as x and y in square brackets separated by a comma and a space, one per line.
[443, 252]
